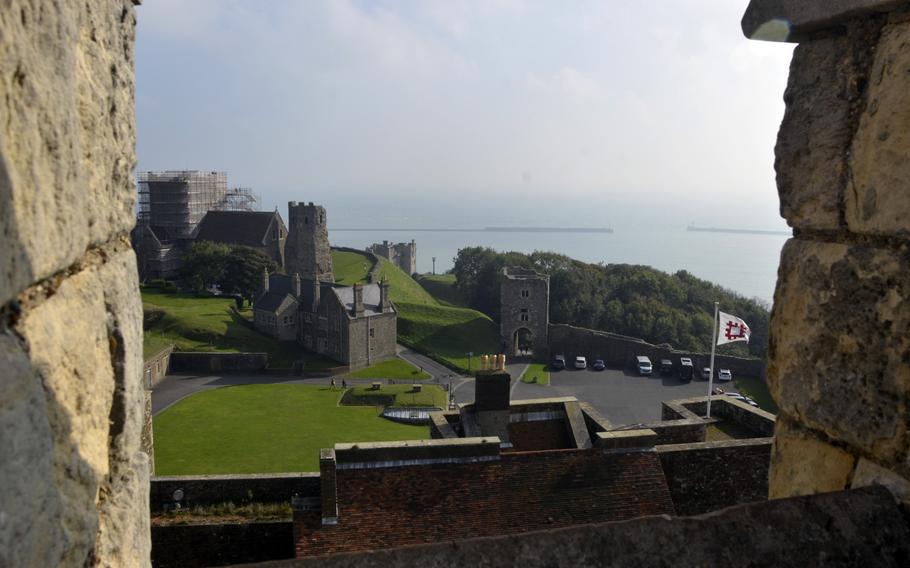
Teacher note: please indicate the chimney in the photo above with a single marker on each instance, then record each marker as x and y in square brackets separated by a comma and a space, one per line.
[358, 300]
[265, 280]
[295, 288]
[491, 399]
[384, 302]
[328, 488]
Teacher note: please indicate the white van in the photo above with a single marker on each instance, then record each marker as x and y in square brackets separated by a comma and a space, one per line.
[644, 365]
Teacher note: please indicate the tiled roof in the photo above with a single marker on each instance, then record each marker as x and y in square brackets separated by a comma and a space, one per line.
[248, 228]
[279, 296]
[520, 492]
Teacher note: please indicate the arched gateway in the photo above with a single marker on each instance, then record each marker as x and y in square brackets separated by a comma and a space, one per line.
[524, 312]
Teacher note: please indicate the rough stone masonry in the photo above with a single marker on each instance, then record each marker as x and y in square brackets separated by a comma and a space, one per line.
[839, 357]
[73, 482]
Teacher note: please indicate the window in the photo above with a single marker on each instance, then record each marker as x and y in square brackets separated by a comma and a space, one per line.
[306, 220]
[525, 293]
[285, 320]
[525, 316]
[371, 332]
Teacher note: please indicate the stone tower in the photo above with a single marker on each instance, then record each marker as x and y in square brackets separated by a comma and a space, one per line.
[307, 251]
[524, 320]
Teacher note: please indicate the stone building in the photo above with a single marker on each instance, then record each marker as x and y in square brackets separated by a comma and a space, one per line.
[307, 251]
[261, 230]
[524, 320]
[356, 325]
[275, 309]
[402, 255]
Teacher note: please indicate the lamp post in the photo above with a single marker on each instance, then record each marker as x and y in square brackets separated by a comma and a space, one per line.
[434, 266]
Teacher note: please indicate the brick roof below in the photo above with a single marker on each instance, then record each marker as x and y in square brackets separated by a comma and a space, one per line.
[396, 506]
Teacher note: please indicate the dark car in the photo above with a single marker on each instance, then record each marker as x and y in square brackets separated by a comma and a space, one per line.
[666, 367]
[558, 362]
[686, 369]
[599, 365]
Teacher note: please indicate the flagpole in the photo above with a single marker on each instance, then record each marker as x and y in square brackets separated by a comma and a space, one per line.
[713, 346]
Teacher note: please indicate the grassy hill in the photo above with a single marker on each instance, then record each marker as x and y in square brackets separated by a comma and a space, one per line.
[442, 287]
[350, 267]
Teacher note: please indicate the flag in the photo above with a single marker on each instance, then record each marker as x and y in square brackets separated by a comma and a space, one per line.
[731, 328]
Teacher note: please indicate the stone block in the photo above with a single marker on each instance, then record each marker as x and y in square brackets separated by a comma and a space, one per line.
[803, 464]
[67, 148]
[797, 20]
[839, 351]
[79, 372]
[825, 88]
[869, 473]
[878, 195]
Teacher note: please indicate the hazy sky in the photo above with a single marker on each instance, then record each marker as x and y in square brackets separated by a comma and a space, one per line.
[654, 105]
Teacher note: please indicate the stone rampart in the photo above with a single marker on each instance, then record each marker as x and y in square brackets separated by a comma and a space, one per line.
[155, 368]
[237, 489]
[221, 544]
[73, 478]
[709, 476]
[619, 351]
[187, 362]
[838, 363]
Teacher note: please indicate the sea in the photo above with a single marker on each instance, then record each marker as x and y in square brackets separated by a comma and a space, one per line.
[742, 262]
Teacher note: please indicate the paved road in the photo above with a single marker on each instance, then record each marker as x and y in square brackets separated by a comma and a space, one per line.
[623, 397]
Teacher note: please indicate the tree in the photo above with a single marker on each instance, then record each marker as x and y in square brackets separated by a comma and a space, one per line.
[203, 265]
[243, 272]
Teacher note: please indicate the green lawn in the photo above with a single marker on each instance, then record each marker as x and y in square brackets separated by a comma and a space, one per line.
[195, 323]
[350, 268]
[540, 371]
[264, 429]
[442, 288]
[391, 369]
[757, 390]
[396, 395]
[402, 287]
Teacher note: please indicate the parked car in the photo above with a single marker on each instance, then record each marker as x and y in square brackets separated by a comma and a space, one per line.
[686, 369]
[706, 373]
[724, 375]
[666, 367]
[599, 365]
[558, 362]
[745, 399]
[644, 365]
[581, 362]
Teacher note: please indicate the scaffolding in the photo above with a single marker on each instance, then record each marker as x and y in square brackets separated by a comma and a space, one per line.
[173, 202]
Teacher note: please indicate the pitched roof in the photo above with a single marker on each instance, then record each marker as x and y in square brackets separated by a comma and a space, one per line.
[520, 492]
[279, 295]
[248, 228]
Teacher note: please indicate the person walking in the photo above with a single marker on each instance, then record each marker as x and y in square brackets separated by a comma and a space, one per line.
[333, 383]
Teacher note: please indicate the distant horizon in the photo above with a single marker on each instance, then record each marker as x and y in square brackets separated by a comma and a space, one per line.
[612, 110]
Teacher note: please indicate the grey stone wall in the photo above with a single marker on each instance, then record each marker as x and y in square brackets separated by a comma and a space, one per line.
[306, 250]
[381, 345]
[237, 489]
[839, 357]
[620, 351]
[708, 476]
[524, 298]
[222, 544]
[73, 481]
[188, 362]
[155, 368]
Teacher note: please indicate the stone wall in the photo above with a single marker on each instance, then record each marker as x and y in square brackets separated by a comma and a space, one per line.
[619, 351]
[72, 477]
[712, 475]
[237, 489]
[187, 362]
[524, 298]
[190, 546]
[381, 344]
[155, 368]
[839, 357]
